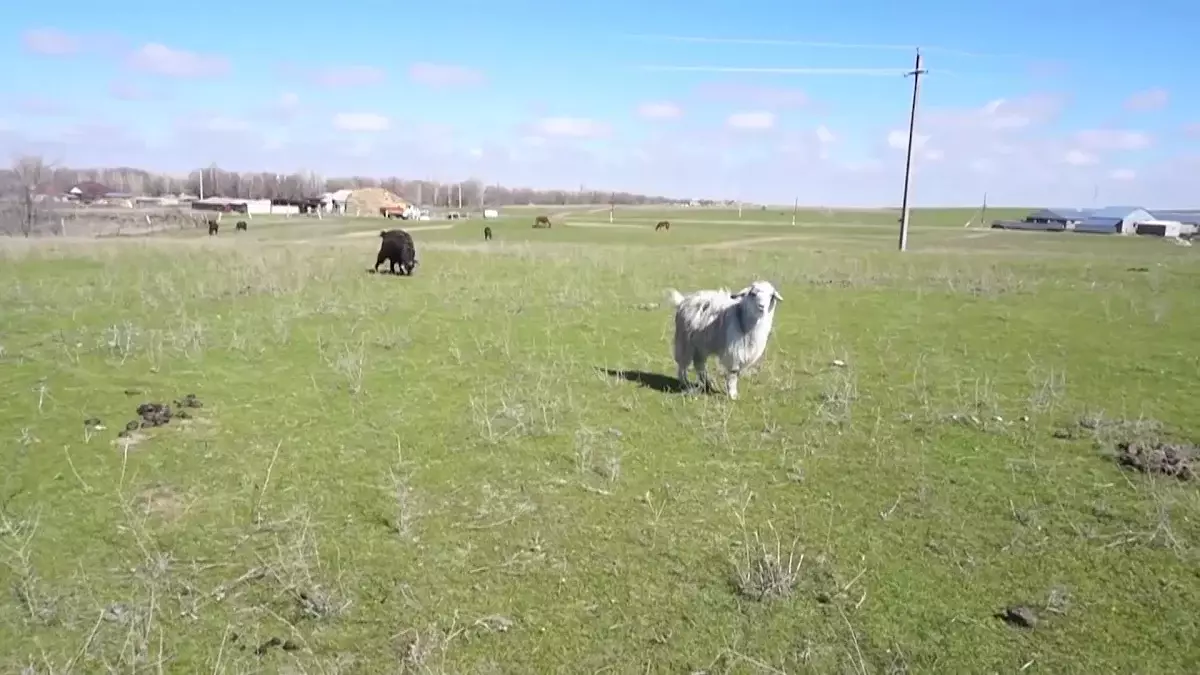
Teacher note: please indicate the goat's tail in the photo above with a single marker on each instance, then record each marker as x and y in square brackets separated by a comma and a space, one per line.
[675, 297]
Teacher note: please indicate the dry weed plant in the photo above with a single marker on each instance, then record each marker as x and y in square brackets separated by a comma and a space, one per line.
[761, 572]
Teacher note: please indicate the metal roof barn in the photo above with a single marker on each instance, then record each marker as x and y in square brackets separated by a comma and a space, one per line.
[1114, 220]
[1183, 216]
[1058, 216]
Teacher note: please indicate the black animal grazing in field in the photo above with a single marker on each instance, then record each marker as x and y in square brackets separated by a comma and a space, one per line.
[541, 221]
[213, 226]
[487, 233]
[663, 225]
[396, 247]
[240, 227]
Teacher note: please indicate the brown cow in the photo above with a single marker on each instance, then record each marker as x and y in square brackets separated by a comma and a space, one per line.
[541, 221]
[663, 225]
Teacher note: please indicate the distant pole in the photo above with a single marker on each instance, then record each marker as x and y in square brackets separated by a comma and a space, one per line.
[795, 205]
[916, 74]
[612, 206]
[460, 196]
[983, 214]
[739, 208]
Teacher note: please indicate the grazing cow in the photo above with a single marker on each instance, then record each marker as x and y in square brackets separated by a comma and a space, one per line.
[396, 247]
[487, 233]
[240, 226]
[213, 226]
[663, 225]
[541, 221]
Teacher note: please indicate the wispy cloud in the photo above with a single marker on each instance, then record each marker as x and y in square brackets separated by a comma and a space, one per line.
[862, 72]
[50, 42]
[812, 43]
[163, 60]
[349, 76]
[444, 75]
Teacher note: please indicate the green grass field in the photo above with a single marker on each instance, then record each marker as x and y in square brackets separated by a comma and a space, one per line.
[449, 473]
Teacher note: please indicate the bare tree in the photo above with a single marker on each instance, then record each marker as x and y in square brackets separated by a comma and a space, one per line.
[31, 173]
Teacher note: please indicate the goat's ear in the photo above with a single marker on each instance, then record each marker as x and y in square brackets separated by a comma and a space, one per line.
[776, 296]
[741, 294]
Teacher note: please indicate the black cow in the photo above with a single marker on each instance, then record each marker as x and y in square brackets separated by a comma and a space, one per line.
[213, 226]
[487, 233]
[240, 227]
[396, 247]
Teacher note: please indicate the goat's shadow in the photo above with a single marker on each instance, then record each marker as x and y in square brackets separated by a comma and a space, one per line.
[660, 383]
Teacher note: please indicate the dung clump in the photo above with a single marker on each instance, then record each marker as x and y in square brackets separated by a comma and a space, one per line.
[189, 401]
[1164, 459]
[155, 414]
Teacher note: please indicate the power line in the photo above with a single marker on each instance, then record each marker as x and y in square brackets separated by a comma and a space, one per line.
[916, 74]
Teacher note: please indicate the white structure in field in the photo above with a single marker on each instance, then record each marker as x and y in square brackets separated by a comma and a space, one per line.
[491, 213]
[335, 202]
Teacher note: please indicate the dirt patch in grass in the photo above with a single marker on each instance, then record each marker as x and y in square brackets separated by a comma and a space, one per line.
[162, 501]
[1177, 460]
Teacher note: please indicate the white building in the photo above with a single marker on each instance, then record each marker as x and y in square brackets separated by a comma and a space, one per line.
[335, 202]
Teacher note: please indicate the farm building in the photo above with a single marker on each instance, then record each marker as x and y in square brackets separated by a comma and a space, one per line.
[1167, 228]
[295, 206]
[88, 191]
[335, 202]
[1114, 220]
[1068, 218]
[1045, 220]
[1187, 217]
[1029, 226]
[220, 204]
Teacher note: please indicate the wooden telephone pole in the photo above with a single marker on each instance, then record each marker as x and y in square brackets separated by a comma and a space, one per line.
[916, 74]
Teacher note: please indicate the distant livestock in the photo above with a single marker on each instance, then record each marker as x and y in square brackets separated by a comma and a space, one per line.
[487, 233]
[663, 225]
[541, 221]
[734, 327]
[396, 247]
[213, 226]
[240, 226]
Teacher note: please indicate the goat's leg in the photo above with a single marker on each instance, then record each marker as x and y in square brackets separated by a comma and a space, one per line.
[702, 372]
[731, 382]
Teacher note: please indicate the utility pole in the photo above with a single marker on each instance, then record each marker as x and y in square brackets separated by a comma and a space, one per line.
[916, 74]
[795, 205]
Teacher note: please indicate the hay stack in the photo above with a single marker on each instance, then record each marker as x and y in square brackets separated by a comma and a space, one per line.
[368, 201]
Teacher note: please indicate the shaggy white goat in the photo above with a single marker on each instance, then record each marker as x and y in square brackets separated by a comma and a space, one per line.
[735, 327]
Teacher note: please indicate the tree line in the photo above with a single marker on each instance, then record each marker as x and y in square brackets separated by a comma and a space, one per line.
[31, 175]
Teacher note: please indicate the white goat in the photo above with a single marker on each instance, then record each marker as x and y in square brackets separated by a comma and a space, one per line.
[735, 327]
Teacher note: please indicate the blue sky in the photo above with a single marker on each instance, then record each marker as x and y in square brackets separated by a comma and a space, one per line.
[1029, 102]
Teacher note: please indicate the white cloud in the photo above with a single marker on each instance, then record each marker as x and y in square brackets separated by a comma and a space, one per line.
[289, 100]
[1123, 174]
[934, 155]
[1150, 99]
[898, 140]
[361, 122]
[1080, 158]
[659, 111]
[571, 127]
[824, 135]
[223, 123]
[445, 75]
[751, 120]
[162, 60]
[1103, 140]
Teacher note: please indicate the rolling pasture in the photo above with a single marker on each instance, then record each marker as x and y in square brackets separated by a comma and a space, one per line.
[486, 467]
